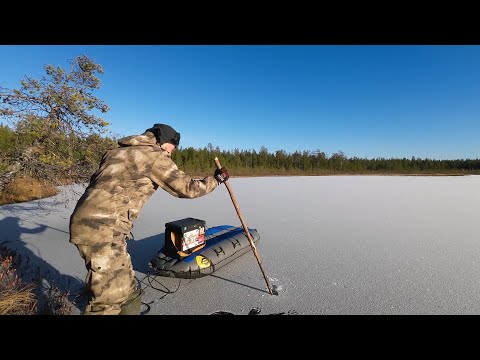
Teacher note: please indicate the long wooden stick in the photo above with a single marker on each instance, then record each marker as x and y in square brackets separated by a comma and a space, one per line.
[249, 236]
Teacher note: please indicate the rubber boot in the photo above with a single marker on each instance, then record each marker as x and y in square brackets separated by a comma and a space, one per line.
[133, 304]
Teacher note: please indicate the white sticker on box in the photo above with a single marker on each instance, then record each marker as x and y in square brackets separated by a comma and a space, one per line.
[193, 238]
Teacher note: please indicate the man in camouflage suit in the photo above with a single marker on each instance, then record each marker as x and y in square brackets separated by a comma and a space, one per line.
[102, 220]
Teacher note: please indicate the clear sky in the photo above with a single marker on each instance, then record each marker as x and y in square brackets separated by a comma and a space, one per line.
[367, 101]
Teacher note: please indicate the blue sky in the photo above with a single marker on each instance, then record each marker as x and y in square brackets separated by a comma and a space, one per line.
[367, 101]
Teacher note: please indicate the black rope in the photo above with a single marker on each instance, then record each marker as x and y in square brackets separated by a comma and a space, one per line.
[152, 278]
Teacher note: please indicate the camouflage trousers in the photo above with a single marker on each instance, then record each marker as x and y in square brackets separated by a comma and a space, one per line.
[110, 279]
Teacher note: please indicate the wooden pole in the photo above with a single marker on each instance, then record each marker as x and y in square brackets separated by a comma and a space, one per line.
[249, 236]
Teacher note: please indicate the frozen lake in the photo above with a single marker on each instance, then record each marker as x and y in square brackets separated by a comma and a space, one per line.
[335, 245]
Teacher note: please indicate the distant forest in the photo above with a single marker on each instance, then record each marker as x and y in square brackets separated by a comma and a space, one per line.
[263, 162]
[200, 161]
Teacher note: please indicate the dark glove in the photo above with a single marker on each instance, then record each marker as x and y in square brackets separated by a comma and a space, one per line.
[221, 175]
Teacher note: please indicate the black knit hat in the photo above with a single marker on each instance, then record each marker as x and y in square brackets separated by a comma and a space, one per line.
[165, 134]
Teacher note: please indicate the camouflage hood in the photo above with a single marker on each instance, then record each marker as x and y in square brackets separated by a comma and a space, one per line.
[146, 139]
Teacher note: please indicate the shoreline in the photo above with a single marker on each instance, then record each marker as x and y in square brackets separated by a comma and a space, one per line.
[297, 175]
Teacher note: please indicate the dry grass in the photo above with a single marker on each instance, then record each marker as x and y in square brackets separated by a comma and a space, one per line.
[26, 188]
[20, 298]
[16, 298]
[19, 301]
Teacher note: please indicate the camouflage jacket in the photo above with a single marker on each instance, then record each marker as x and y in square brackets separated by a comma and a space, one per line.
[126, 178]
